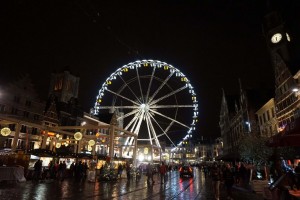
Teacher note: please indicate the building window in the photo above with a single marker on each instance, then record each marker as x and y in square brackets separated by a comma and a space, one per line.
[14, 111]
[12, 127]
[58, 85]
[260, 120]
[264, 115]
[268, 115]
[17, 99]
[34, 131]
[2, 108]
[28, 103]
[36, 117]
[26, 114]
[23, 129]
[273, 112]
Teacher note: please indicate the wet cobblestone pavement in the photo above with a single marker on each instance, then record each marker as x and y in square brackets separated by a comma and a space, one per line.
[198, 187]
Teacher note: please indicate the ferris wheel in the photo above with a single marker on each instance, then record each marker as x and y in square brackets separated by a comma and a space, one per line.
[153, 99]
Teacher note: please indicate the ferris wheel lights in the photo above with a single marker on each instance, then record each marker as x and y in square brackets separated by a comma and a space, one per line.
[166, 67]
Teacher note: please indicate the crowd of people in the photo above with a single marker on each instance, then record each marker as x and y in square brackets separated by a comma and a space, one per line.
[59, 170]
[226, 174]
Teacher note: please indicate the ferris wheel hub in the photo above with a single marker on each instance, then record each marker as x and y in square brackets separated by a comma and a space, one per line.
[144, 107]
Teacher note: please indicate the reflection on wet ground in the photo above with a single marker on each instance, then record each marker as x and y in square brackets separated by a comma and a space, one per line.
[198, 187]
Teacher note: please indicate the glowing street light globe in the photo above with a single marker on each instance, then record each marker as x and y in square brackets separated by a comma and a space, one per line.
[78, 136]
[92, 142]
[90, 148]
[58, 145]
[5, 131]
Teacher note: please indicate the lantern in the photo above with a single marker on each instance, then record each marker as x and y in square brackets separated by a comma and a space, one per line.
[78, 136]
[92, 142]
[58, 145]
[5, 131]
[90, 148]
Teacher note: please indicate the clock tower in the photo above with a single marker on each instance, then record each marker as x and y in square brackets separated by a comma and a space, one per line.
[278, 40]
[277, 36]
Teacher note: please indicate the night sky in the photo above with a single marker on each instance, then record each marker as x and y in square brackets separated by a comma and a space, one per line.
[214, 43]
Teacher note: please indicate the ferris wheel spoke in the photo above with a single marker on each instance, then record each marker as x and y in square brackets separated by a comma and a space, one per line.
[171, 106]
[132, 121]
[129, 88]
[122, 97]
[167, 129]
[118, 107]
[153, 131]
[136, 126]
[148, 128]
[169, 118]
[136, 131]
[128, 114]
[170, 94]
[161, 86]
[138, 77]
[150, 84]
[164, 132]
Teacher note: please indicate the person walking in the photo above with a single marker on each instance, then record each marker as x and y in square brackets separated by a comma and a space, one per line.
[128, 168]
[228, 177]
[37, 170]
[120, 170]
[243, 175]
[216, 175]
[163, 171]
[150, 173]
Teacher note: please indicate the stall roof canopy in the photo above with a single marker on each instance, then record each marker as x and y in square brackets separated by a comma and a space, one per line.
[48, 153]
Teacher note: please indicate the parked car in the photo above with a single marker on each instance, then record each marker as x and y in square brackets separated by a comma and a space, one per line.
[186, 171]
